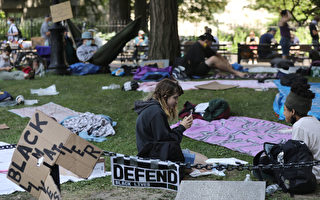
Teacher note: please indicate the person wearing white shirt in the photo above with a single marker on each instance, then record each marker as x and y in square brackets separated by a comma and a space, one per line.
[305, 128]
[87, 49]
[12, 31]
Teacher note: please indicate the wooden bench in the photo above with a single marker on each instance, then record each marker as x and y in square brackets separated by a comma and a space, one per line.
[298, 52]
[131, 53]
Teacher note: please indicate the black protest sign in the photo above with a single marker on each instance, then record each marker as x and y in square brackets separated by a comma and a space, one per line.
[43, 143]
[135, 172]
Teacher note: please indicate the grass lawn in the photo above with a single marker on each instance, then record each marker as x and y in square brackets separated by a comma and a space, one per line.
[84, 94]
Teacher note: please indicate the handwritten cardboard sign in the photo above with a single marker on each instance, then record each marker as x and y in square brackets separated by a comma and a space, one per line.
[43, 143]
[136, 172]
[61, 11]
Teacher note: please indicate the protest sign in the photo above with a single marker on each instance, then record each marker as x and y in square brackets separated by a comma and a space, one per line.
[61, 11]
[135, 172]
[44, 143]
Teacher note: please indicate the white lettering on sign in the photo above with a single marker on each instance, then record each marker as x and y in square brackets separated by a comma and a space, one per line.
[134, 176]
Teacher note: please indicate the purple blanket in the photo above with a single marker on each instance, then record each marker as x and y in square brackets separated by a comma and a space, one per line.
[242, 134]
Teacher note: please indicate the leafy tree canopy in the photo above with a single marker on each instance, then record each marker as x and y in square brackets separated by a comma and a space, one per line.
[197, 10]
[301, 10]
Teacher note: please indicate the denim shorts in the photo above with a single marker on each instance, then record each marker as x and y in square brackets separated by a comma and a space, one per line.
[285, 45]
[188, 157]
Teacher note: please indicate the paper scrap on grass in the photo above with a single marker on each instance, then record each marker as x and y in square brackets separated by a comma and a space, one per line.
[215, 86]
[47, 140]
[51, 90]
[51, 109]
[3, 126]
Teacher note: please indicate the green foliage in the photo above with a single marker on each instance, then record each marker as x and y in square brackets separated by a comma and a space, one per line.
[197, 10]
[301, 10]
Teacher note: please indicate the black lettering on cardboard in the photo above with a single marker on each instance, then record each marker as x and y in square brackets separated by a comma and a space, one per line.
[161, 176]
[90, 150]
[24, 151]
[15, 175]
[38, 124]
[30, 186]
[49, 153]
[116, 169]
[47, 191]
[20, 168]
[38, 154]
[25, 137]
[64, 148]
[127, 173]
[138, 174]
[81, 153]
[150, 174]
[172, 177]
[55, 148]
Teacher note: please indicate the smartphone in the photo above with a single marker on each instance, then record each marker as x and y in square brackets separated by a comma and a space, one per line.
[191, 111]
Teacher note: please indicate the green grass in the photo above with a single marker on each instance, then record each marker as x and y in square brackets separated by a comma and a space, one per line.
[84, 94]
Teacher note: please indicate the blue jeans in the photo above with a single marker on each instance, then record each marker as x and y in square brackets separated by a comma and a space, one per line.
[285, 45]
[188, 157]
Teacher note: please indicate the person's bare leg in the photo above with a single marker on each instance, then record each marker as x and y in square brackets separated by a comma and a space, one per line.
[221, 63]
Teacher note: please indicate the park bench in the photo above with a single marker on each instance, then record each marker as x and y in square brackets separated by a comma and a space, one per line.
[142, 51]
[298, 52]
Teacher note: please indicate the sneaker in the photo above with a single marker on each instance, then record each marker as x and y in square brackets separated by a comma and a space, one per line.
[255, 62]
[250, 62]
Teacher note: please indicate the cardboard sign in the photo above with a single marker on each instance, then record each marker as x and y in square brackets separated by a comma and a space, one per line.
[43, 143]
[61, 11]
[134, 172]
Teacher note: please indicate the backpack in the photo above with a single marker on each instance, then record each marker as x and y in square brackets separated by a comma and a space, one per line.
[19, 33]
[292, 180]
[4, 96]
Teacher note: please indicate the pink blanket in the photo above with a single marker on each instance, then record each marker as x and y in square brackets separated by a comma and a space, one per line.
[242, 134]
[190, 85]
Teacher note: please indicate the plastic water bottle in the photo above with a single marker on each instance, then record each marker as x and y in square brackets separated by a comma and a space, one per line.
[272, 189]
[247, 178]
[111, 87]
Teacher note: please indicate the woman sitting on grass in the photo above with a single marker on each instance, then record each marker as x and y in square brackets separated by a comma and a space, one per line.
[306, 128]
[154, 137]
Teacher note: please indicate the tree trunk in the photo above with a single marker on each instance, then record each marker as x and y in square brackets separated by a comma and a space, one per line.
[119, 14]
[140, 9]
[164, 40]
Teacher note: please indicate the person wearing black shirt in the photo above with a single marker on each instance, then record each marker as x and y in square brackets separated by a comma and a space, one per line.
[314, 32]
[201, 58]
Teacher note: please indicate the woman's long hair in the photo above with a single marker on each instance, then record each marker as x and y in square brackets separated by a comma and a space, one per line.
[165, 89]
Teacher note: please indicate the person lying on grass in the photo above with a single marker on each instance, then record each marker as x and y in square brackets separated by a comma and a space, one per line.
[306, 128]
[154, 137]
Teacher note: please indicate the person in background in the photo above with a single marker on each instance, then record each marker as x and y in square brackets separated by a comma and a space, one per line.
[264, 49]
[96, 40]
[140, 40]
[304, 127]
[294, 39]
[12, 31]
[6, 72]
[87, 49]
[215, 42]
[252, 39]
[314, 32]
[285, 33]
[44, 30]
[201, 58]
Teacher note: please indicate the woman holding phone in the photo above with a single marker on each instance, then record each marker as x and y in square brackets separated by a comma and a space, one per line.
[154, 137]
